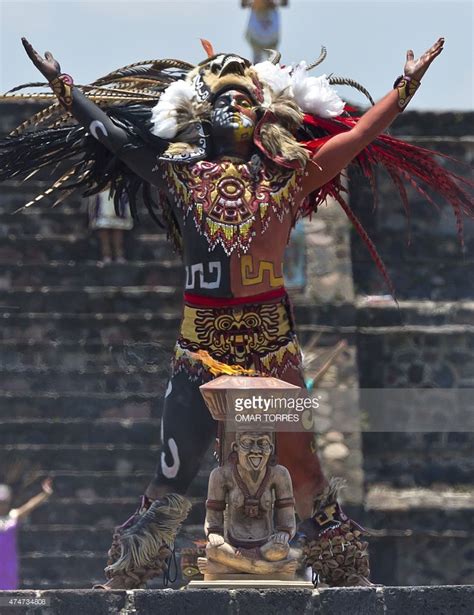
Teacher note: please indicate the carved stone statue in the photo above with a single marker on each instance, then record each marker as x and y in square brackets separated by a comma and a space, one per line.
[250, 514]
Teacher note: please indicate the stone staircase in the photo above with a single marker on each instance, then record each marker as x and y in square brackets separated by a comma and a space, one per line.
[84, 357]
[423, 476]
[84, 354]
[428, 341]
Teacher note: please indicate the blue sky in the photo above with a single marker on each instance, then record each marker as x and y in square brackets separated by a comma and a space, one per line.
[365, 40]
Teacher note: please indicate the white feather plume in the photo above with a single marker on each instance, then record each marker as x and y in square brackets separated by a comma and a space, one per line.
[312, 94]
[164, 113]
[315, 94]
[274, 76]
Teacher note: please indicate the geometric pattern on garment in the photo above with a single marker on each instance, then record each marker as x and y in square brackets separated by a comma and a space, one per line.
[238, 331]
[172, 470]
[226, 199]
[197, 271]
[251, 276]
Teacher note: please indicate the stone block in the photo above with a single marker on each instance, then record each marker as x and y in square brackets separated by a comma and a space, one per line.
[188, 602]
[447, 600]
[273, 601]
[353, 601]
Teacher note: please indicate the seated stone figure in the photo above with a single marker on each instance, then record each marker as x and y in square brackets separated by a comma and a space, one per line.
[256, 496]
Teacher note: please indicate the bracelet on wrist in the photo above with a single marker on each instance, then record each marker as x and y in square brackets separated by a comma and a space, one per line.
[62, 86]
[406, 87]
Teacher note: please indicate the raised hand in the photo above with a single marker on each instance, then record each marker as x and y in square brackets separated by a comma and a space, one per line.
[417, 68]
[47, 486]
[48, 66]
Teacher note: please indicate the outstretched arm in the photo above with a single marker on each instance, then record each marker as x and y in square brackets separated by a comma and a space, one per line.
[140, 159]
[35, 501]
[336, 153]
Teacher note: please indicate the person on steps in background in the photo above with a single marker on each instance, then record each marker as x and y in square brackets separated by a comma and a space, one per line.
[9, 518]
[263, 30]
[110, 221]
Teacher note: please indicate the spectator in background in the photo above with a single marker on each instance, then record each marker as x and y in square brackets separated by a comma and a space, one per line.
[9, 518]
[263, 30]
[110, 224]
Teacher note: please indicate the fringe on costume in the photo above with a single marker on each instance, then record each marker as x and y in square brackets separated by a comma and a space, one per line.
[334, 547]
[139, 552]
[406, 164]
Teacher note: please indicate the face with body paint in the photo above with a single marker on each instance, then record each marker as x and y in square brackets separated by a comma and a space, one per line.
[233, 119]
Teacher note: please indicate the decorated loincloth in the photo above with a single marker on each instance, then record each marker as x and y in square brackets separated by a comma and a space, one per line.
[252, 333]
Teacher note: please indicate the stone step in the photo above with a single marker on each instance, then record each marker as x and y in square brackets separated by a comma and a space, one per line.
[442, 600]
[425, 246]
[90, 485]
[79, 431]
[449, 464]
[442, 280]
[69, 356]
[17, 249]
[110, 459]
[64, 539]
[84, 485]
[80, 405]
[99, 512]
[71, 571]
[16, 194]
[89, 457]
[91, 299]
[81, 274]
[108, 328]
[77, 538]
[75, 570]
[71, 217]
[384, 315]
[151, 379]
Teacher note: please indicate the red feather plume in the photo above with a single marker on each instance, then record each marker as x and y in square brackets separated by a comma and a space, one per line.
[402, 161]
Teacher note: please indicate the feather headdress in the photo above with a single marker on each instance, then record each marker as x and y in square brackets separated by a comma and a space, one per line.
[166, 104]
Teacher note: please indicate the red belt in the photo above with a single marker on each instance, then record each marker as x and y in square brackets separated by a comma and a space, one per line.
[203, 301]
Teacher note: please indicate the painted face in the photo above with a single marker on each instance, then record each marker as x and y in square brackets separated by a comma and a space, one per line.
[233, 116]
[254, 450]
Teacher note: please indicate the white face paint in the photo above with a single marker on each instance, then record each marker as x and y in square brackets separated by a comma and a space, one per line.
[96, 126]
[172, 470]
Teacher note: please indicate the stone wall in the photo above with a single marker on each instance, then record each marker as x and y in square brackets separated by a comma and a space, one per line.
[423, 252]
[358, 601]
